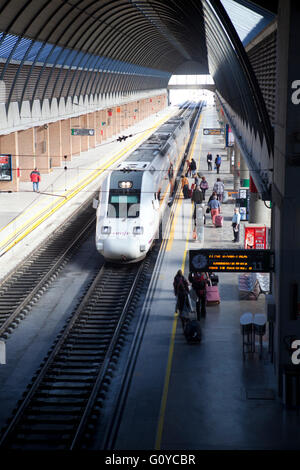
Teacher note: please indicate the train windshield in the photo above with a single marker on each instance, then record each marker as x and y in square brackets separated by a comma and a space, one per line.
[123, 206]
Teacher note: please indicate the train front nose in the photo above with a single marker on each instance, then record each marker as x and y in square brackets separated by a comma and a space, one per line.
[123, 250]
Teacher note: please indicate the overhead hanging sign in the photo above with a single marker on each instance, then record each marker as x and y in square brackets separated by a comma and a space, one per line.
[214, 131]
[82, 132]
[259, 261]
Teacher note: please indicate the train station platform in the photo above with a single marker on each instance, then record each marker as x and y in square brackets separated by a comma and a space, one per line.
[203, 396]
[27, 217]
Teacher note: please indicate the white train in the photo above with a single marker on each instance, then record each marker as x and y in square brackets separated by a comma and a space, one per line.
[134, 195]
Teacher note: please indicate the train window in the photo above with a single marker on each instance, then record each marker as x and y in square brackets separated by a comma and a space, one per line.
[125, 205]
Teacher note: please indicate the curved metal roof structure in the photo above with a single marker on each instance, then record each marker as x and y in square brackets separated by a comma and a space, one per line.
[64, 49]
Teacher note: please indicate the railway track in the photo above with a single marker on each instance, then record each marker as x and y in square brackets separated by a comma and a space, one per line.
[67, 391]
[23, 287]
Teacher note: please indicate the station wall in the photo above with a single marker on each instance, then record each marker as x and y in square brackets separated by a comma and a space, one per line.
[48, 145]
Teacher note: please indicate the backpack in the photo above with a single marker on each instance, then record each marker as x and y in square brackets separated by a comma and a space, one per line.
[218, 160]
[199, 284]
[180, 285]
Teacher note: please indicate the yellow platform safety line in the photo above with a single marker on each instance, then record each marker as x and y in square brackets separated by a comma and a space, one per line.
[174, 326]
[172, 231]
[68, 195]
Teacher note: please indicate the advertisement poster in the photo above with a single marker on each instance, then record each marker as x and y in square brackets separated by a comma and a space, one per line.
[229, 136]
[255, 238]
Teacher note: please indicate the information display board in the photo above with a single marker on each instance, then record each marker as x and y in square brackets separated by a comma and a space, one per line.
[5, 167]
[259, 261]
[82, 131]
[214, 131]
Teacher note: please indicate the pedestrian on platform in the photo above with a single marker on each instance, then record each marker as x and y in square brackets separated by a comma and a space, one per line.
[219, 189]
[181, 291]
[218, 163]
[215, 208]
[193, 167]
[35, 177]
[236, 225]
[212, 196]
[185, 186]
[203, 186]
[209, 158]
[197, 197]
[188, 168]
[199, 282]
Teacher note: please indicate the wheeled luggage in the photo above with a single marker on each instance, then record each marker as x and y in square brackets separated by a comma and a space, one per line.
[219, 221]
[190, 325]
[212, 295]
[192, 331]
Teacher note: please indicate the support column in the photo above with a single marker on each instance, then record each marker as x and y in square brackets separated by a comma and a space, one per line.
[75, 139]
[245, 175]
[42, 148]
[26, 145]
[285, 187]
[55, 144]
[258, 210]
[66, 142]
[98, 127]
[236, 174]
[91, 123]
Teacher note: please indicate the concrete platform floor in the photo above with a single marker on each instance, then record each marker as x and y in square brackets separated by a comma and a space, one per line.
[189, 397]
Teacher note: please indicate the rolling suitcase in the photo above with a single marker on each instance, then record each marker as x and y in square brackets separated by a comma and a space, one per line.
[212, 295]
[191, 326]
[192, 331]
[219, 221]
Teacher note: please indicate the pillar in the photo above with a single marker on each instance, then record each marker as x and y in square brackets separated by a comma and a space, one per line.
[41, 136]
[26, 145]
[285, 186]
[91, 122]
[55, 143]
[84, 139]
[258, 209]
[244, 171]
[236, 173]
[75, 139]
[66, 142]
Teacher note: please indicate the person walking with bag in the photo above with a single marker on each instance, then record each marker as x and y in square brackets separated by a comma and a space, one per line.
[203, 186]
[236, 225]
[215, 207]
[219, 189]
[193, 167]
[199, 282]
[218, 163]
[185, 186]
[209, 161]
[181, 291]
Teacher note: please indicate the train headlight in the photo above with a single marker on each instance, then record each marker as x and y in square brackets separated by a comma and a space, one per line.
[138, 230]
[105, 230]
[142, 248]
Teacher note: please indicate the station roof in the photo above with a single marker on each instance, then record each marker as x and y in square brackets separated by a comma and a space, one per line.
[145, 40]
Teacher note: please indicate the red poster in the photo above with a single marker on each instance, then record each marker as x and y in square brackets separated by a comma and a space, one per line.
[255, 238]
